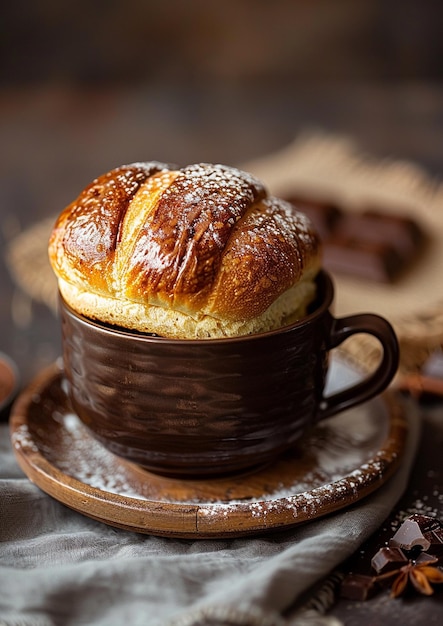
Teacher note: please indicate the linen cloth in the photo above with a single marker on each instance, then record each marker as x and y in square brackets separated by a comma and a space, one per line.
[58, 567]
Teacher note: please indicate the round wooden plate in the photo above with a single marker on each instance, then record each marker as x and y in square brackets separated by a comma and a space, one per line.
[340, 461]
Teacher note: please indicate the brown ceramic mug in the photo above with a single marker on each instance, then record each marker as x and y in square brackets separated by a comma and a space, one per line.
[206, 407]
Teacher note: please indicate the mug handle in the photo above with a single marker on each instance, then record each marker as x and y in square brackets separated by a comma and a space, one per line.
[375, 383]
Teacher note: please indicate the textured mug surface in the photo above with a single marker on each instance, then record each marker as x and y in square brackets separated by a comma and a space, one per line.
[206, 407]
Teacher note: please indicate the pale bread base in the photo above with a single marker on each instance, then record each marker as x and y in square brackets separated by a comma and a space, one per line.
[289, 307]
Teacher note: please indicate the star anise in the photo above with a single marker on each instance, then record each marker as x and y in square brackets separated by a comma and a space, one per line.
[420, 574]
[404, 561]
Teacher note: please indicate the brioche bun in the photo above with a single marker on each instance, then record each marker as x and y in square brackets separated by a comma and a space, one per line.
[196, 252]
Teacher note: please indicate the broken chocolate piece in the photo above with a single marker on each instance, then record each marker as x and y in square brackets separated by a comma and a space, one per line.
[323, 215]
[425, 522]
[409, 537]
[402, 233]
[358, 587]
[375, 261]
[388, 559]
[425, 559]
[370, 243]
[404, 565]
[435, 538]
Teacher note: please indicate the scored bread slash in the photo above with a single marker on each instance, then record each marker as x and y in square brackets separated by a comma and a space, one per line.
[197, 252]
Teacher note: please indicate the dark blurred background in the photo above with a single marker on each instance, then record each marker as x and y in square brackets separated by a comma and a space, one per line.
[89, 85]
[142, 42]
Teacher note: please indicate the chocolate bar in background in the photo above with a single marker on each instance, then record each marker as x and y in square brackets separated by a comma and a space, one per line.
[323, 215]
[403, 233]
[375, 261]
[369, 244]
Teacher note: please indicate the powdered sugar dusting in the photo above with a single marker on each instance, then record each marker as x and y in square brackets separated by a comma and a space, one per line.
[21, 439]
[304, 504]
[179, 246]
[343, 465]
[91, 463]
[340, 461]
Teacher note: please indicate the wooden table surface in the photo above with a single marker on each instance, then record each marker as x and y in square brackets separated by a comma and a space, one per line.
[54, 141]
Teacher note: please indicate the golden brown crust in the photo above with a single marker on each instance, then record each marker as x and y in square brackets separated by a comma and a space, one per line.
[179, 249]
[204, 241]
[86, 234]
[272, 249]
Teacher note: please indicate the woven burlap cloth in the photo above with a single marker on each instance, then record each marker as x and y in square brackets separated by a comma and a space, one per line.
[334, 168]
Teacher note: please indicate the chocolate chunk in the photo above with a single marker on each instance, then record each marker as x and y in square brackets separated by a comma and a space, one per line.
[435, 538]
[425, 559]
[402, 233]
[425, 522]
[409, 536]
[370, 244]
[358, 587]
[375, 261]
[323, 215]
[388, 559]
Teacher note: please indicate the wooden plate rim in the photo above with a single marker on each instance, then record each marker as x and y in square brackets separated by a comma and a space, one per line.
[203, 520]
